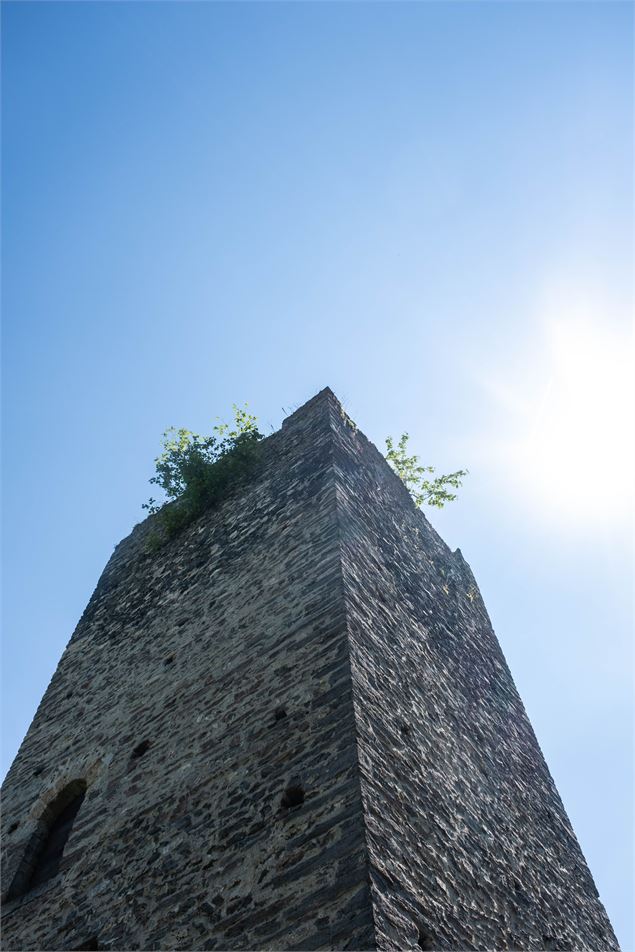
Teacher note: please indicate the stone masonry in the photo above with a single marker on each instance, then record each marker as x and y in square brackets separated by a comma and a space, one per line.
[295, 729]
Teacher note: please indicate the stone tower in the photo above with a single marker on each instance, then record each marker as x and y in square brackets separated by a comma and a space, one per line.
[292, 727]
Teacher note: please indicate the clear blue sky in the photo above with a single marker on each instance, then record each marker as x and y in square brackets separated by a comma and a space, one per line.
[427, 207]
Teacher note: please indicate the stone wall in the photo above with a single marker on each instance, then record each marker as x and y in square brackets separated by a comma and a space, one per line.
[309, 639]
[226, 650]
[468, 841]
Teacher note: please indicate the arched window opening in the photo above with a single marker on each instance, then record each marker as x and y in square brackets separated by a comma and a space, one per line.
[43, 855]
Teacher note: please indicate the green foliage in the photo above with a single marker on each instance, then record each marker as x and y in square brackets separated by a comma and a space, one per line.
[433, 492]
[196, 471]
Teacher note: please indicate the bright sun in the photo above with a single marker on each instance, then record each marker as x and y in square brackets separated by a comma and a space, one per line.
[571, 451]
[577, 453]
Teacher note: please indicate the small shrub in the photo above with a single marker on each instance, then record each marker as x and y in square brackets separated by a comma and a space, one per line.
[196, 471]
[432, 492]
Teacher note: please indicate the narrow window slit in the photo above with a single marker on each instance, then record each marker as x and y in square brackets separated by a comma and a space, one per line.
[425, 941]
[90, 945]
[140, 750]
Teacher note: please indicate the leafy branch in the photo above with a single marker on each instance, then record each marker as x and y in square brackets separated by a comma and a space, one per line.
[196, 471]
[432, 492]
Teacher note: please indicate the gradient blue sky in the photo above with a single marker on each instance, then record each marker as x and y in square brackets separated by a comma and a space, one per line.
[427, 207]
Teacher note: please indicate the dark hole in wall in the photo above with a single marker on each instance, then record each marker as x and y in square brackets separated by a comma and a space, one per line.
[90, 945]
[425, 940]
[169, 660]
[279, 713]
[404, 728]
[14, 826]
[293, 796]
[69, 695]
[140, 750]
[38, 770]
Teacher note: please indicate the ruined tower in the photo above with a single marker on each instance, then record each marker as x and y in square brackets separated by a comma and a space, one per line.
[291, 727]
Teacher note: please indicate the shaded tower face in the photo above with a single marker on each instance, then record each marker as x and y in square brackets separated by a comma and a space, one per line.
[291, 727]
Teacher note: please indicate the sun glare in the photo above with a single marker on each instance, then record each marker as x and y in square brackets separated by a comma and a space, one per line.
[571, 451]
[577, 453]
